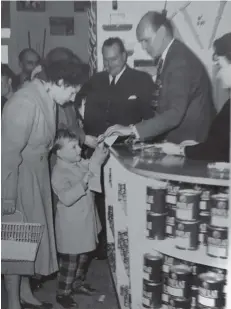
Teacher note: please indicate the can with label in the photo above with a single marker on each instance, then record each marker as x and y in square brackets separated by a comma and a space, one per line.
[187, 206]
[194, 292]
[156, 225]
[155, 200]
[204, 222]
[179, 303]
[205, 194]
[180, 281]
[219, 210]
[153, 267]
[210, 291]
[186, 233]
[165, 295]
[217, 243]
[170, 220]
[168, 263]
[172, 190]
[152, 294]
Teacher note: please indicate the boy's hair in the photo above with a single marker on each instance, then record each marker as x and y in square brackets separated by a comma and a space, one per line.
[61, 135]
[72, 73]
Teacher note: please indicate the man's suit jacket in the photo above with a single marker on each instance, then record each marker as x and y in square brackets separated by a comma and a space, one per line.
[185, 106]
[128, 102]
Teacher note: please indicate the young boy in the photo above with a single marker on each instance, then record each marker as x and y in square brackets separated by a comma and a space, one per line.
[76, 222]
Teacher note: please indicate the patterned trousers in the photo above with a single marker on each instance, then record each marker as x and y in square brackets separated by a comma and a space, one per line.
[72, 271]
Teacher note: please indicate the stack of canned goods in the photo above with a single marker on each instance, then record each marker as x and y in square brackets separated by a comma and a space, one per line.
[126, 293]
[111, 256]
[124, 249]
[182, 284]
[156, 212]
[187, 219]
[217, 240]
[152, 280]
[110, 217]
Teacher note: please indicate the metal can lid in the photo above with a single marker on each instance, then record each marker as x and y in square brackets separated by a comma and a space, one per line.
[189, 192]
[204, 214]
[187, 222]
[211, 277]
[220, 196]
[155, 256]
[180, 269]
[217, 228]
[180, 299]
[155, 214]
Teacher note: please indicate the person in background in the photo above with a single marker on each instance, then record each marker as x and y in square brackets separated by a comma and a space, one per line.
[216, 146]
[119, 94]
[76, 221]
[28, 60]
[28, 131]
[184, 104]
[7, 84]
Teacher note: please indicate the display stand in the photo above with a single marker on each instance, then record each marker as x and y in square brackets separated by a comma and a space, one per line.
[126, 210]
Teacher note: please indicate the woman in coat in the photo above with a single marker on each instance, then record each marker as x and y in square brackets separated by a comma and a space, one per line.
[28, 131]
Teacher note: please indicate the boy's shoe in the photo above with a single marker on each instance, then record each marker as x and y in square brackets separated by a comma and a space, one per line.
[84, 289]
[66, 301]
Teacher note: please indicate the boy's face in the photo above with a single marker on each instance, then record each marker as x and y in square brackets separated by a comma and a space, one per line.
[70, 151]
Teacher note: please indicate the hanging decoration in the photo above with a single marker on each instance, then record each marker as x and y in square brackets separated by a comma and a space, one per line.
[92, 45]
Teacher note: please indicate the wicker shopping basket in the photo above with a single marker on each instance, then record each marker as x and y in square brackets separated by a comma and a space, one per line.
[20, 241]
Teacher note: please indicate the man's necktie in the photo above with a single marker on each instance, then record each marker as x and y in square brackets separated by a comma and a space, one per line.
[112, 83]
[158, 84]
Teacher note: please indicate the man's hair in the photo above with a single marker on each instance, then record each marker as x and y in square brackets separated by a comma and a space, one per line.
[61, 53]
[222, 46]
[61, 135]
[158, 19]
[72, 73]
[111, 41]
[26, 50]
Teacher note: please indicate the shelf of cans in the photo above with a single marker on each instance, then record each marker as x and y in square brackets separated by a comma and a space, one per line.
[189, 218]
[170, 283]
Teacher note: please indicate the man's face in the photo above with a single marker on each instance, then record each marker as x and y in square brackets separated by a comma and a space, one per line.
[151, 40]
[113, 59]
[29, 62]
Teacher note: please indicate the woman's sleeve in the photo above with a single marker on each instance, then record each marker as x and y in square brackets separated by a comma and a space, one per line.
[17, 124]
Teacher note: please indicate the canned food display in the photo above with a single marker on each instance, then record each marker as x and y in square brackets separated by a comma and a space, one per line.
[204, 222]
[186, 233]
[156, 199]
[156, 225]
[217, 243]
[180, 281]
[210, 291]
[152, 294]
[187, 206]
[219, 210]
[153, 267]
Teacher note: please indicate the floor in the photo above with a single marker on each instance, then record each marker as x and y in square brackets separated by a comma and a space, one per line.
[98, 276]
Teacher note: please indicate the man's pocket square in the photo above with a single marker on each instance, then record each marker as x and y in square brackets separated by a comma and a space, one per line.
[132, 97]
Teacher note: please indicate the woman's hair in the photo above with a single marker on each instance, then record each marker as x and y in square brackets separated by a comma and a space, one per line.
[61, 135]
[6, 71]
[222, 46]
[72, 73]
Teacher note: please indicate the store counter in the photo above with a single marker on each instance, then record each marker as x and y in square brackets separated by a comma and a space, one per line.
[165, 214]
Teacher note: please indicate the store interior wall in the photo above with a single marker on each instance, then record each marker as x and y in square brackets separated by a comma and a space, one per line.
[36, 22]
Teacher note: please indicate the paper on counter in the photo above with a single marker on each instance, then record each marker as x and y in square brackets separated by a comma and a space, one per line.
[110, 140]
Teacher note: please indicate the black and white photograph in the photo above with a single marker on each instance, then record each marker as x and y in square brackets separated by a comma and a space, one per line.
[115, 154]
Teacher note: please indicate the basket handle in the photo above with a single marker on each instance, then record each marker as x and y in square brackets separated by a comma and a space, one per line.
[17, 216]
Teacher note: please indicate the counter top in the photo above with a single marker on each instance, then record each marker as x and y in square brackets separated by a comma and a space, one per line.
[153, 164]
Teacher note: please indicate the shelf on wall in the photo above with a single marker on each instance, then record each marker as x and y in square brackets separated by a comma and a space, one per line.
[199, 256]
[117, 27]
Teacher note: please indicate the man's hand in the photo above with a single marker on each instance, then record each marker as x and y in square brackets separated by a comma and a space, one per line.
[188, 143]
[116, 130]
[91, 141]
[172, 149]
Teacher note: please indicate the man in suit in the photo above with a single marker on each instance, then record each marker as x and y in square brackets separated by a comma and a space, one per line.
[119, 94]
[184, 96]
